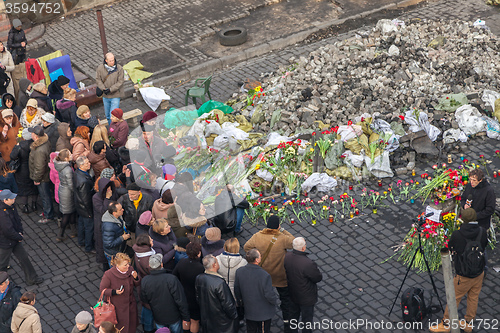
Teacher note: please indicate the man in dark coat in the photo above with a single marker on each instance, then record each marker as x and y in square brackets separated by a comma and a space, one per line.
[229, 211]
[134, 204]
[465, 283]
[10, 294]
[302, 275]
[11, 237]
[39, 170]
[217, 305]
[16, 42]
[84, 190]
[254, 291]
[50, 127]
[482, 195]
[165, 295]
[114, 237]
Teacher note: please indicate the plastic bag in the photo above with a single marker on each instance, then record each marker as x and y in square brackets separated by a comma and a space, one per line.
[322, 181]
[332, 158]
[198, 129]
[454, 134]
[212, 128]
[422, 123]
[230, 129]
[221, 142]
[355, 160]
[153, 96]
[381, 167]
[349, 132]
[175, 118]
[469, 120]
[386, 26]
[492, 128]
[212, 105]
[275, 139]
[445, 102]
[264, 174]
[491, 98]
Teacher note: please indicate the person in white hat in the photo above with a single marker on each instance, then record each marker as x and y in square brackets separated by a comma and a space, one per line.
[50, 127]
[83, 322]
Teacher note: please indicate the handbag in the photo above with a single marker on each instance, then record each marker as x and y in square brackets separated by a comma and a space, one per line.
[104, 311]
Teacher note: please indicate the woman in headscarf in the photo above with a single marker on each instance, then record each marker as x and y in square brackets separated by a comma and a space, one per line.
[25, 90]
[65, 136]
[9, 125]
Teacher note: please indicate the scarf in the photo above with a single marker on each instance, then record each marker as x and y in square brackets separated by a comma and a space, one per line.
[136, 202]
[145, 254]
[110, 69]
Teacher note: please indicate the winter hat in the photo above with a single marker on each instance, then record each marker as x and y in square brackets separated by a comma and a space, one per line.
[49, 117]
[3, 276]
[16, 23]
[38, 130]
[469, 215]
[155, 260]
[273, 222]
[169, 169]
[145, 217]
[148, 116]
[118, 113]
[7, 112]
[83, 317]
[182, 242]
[32, 102]
[62, 80]
[26, 134]
[133, 187]
[145, 180]
[107, 173]
[163, 330]
[81, 110]
[213, 234]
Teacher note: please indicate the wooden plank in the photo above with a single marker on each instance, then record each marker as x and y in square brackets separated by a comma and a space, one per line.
[126, 115]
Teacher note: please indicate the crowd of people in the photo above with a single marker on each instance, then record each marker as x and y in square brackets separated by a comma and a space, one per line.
[123, 199]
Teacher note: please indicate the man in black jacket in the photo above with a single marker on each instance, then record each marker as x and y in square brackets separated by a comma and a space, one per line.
[11, 236]
[217, 305]
[482, 195]
[84, 190]
[254, 290]
[10, 295]
[302, 275]
[229, 210]
[16, 42]
[464, 283]
[165, 295]
[134, 203]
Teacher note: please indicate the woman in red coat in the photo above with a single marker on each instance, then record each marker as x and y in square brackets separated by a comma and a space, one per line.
[122, 275]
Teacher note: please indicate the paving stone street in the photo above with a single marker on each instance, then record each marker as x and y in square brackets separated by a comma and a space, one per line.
[358, 282]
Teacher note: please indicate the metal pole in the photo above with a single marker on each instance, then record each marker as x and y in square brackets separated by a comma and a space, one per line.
[102, 32]
[450, 290]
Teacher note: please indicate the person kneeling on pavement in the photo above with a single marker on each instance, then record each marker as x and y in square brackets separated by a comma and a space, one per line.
[469, 276]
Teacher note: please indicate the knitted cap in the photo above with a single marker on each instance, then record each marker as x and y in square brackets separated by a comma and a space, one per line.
[169, 169]
[107, 173]
[49, 117]
[155, 260]
[145, 218]
[62, 80]
[81, 110]
[26, 134]
[469, 215]
[273, 222]
[213, 234]
[3, 276]
[83, 317]
[148, 116]
[133, 187]
[16, 23]
[163, 330]
[118, 113]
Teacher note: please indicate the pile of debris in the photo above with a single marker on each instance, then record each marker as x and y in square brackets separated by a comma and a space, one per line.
[383, 72]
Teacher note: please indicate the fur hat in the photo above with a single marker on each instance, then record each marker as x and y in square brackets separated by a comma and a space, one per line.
[145, 218]
[7, 112]
[83, 317]
[213, 234]
[118, 113]
[62, 80]
[273, 222]
[81, 110]
[469, 215]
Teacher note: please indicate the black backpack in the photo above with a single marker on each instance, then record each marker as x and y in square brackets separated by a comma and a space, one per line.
[413, 305]
[472, 260]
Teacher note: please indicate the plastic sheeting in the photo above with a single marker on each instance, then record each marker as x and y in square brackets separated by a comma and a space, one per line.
[153, 96]
[381, 167]
[212, 105]
[490, 97]
[274, 139]
[348, 132]
[322, 181]
[134, 70]
[454, 134]
[469, 120]
[422, 123]
[175, 118]
[492, 128]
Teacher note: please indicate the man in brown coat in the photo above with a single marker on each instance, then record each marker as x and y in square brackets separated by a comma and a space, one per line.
[272, 243]
[39, 170]
[109, 78]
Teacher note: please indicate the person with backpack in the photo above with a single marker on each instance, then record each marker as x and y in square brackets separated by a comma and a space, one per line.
[467, 246]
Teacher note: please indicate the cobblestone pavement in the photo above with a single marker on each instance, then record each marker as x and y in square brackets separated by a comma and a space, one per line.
[356, 284]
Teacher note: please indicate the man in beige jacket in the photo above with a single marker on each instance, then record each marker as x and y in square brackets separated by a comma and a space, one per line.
[272, 243]
[109, 78]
